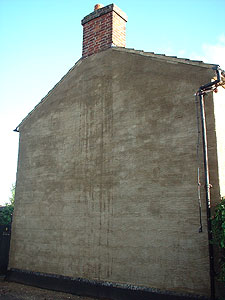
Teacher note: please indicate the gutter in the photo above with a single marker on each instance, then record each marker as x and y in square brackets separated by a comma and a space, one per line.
[209, 87]
[16, 129]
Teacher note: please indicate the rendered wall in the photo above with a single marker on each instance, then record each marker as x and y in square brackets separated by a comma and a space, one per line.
[106, 182]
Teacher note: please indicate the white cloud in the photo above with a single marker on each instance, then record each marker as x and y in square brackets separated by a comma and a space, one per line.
[214, 54]
[208, 53]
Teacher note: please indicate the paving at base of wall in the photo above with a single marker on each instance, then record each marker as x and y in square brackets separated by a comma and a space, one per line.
[16, 291]
[91, 288]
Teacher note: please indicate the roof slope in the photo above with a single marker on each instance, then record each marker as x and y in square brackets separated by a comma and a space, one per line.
[173, 59]
[167, 58]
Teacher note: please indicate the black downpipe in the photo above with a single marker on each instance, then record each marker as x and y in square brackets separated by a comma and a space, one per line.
[201, 94]
[208, 200]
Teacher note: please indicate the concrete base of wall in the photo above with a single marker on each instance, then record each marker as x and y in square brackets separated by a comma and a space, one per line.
[92, 288]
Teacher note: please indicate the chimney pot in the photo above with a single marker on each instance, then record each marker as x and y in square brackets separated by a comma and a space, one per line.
[97, 6]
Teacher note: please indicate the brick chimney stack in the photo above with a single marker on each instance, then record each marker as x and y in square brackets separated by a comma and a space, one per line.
[104, 28]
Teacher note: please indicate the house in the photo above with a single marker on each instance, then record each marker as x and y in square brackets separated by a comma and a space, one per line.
[108, 201]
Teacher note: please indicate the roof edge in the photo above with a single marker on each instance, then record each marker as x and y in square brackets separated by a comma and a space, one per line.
[168, 58]
[173, 59]
[49, 93]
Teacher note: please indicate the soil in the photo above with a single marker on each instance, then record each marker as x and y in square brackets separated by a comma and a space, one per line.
[16, 291]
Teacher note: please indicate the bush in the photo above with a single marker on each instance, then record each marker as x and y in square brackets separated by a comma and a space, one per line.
[7, 211]
[6, 214]
[218, 231]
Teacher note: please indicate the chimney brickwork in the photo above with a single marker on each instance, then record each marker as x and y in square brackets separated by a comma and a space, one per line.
[103, 28]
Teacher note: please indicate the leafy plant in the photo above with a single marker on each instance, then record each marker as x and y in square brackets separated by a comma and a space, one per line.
[7, 211]
[6, 214]
[218, 231]
[12, 198]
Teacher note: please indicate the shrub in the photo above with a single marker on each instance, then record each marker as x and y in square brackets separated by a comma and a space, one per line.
[218, 231]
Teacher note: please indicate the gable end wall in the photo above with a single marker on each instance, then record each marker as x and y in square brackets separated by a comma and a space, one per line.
[106, 181]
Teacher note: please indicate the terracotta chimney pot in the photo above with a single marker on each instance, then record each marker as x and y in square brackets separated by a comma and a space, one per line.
[97, 6]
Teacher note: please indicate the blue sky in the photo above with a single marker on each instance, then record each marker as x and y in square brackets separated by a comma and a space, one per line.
[40, 40]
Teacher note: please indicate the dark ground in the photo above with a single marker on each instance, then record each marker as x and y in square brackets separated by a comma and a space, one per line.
[15, 291]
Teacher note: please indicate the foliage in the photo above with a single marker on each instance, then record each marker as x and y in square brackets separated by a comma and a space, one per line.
[12, 198]
[218, 231]
[7, 210]
[6, 214]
